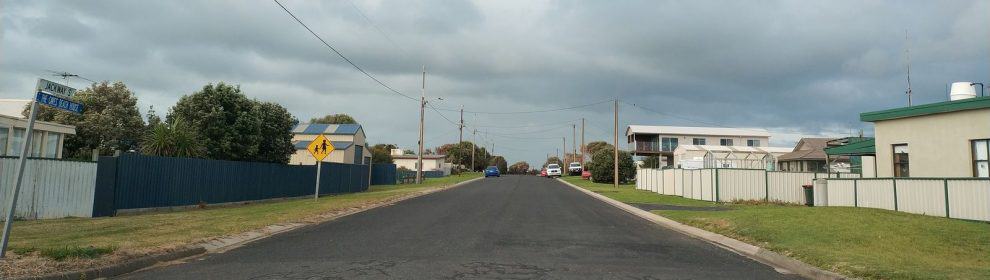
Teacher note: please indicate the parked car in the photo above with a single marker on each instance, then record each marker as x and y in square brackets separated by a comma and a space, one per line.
[492, 171]
[574, 169]
[543, 172]
[553, 170]
[586, 175]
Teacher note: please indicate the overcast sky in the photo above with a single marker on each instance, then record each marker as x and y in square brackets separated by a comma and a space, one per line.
[793, 67]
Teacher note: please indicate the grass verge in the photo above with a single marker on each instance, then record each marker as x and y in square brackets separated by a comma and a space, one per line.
[87, 238]
[857, 242]
[629, 194]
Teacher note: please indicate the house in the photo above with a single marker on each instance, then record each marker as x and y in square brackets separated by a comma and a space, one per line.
[348, 143]
[711, 156]
[809, 156]
[944, 139]
[662, 141]
[48, 138]
[430, 162]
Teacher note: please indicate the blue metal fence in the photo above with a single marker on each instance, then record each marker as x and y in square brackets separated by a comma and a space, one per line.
[133, 181]
[383, 174]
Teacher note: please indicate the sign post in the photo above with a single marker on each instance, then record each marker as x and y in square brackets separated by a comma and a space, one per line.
[47, 93]
[320, 148]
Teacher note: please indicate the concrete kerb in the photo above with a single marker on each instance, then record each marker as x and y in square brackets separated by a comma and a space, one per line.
[778, 261]
[222, 244]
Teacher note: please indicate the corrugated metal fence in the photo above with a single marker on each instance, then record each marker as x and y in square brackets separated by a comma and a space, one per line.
[727, 184]
[383, 174]
[962, 198]
[135, 181]
[51, 188]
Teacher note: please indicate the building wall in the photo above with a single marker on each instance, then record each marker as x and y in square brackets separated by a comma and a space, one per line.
[683, 139]
[428, 164]
[43, 131]
[938, 145]
[303, 157]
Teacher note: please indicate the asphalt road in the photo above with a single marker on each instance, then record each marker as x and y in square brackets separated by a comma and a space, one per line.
[514, 227]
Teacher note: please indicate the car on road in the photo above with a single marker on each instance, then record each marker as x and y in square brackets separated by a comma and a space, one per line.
[586, 175]
[543, 172]
[492, 171]
[553, 170]
[574, 168]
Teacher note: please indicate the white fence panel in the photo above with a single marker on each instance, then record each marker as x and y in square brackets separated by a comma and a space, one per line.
[51, 188]
[786, 186]
[741, 184]
[669, 178]
[707, 190]
[921, 196]
[875, 193]
[688, 182]
[969, 199]
[841, 193]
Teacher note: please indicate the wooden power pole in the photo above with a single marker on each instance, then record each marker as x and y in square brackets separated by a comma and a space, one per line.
[615, 160]
[582, 143]
[422, 113]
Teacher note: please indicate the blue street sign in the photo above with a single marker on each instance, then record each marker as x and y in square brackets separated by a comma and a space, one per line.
[59, 103]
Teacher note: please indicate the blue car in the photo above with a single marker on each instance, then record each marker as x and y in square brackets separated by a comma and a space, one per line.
[492, 171]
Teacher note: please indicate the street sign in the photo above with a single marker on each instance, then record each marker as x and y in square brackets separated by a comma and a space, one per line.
[320, 147]
[54, 88]
[58, 103]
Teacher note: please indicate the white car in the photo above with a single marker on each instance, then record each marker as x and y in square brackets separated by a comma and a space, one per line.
[574, 168]
[553, 170]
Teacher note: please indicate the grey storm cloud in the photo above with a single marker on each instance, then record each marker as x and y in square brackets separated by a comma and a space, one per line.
[795, 67]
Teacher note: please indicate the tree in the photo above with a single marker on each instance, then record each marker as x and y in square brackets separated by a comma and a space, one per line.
[553, 160]
[408, 152]
[276, 130]
[596, 146]
[110, 120]
[153, 118]
[602, 169]
[234, 127]
[176, 139]
[500, 163]
[334, 119]
[521, 167]
[382, 153]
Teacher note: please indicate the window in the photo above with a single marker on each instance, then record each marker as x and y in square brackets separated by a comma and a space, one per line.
[51, 145]
[753, 143]
[901, 161]
[16, 141]
[4, 133]
[725, 142]
[981, 158]
[668, 143]
[37, 138]
[698, 141]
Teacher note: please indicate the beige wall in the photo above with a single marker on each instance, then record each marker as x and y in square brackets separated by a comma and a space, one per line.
[339, 156]
[428, 164]
[938, 145]
[42, 129]
[714, 140]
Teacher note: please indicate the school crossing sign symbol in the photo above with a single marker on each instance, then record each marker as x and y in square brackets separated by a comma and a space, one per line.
[320, 148]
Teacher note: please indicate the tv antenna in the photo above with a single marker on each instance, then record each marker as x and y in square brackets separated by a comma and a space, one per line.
[67, 75]
[907, 53]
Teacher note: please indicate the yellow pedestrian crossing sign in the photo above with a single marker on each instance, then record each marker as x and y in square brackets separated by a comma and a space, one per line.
[320, 148]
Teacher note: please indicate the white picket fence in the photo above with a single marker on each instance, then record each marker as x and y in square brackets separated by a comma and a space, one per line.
[961, 198]
[51, 188]
[729, 184]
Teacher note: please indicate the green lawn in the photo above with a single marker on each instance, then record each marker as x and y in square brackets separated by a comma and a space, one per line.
[629, 194]
[89, 237]
[858, 242]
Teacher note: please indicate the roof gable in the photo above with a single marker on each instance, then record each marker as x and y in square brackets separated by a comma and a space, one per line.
[332, 129]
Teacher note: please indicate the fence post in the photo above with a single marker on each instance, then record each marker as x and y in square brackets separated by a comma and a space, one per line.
[895, 193]
[855, 193]
[945, 183]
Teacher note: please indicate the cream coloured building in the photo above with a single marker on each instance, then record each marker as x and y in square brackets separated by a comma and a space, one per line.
[348, 143]
[945, 139]
[651, 140]
[48, 138]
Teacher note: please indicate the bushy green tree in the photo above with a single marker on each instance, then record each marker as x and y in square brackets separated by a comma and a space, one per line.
[460, 154]
[596, 146]
[499, 161]
[554, 160]
[651, 162]
[602, 169]
[334, 119]
[382, 153]
[175, 139]
[234, 127]
[110, 120]
[521, 167]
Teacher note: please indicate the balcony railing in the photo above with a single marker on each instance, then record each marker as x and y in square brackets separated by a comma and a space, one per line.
[647, 146]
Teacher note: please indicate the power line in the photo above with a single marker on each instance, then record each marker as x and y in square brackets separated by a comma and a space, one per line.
[710, 123]
[530, 112]
[342, 55]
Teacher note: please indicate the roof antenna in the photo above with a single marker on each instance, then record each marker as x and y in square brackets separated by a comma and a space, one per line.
[907, 53]
[66, 75]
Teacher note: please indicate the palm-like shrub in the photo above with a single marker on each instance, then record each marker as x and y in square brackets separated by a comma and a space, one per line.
[175, 139]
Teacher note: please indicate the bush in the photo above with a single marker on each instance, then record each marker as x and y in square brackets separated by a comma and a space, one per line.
[602, 169]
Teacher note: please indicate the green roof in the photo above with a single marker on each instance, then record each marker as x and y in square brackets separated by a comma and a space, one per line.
[865, 147]
[927, 109]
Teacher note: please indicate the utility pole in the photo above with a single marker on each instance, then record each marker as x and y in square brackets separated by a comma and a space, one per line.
[574, 139]
[21, 162]
[422, 113]
[474, 138]
[582, 143]
[615, 160]
[564, 149]
[461, 126]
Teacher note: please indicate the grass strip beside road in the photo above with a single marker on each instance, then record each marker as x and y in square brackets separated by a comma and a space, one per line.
[629, 194]
[75, 238]
[858, 242]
